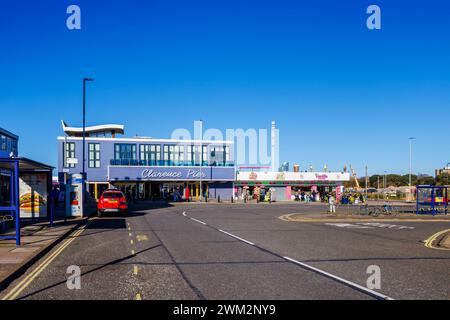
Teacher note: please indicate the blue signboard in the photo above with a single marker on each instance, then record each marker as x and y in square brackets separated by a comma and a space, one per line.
[171, 173]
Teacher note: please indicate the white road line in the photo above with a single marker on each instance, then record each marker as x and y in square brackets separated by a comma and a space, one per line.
[239, 238]
[184, 213]
[198, 221]
[352, 284]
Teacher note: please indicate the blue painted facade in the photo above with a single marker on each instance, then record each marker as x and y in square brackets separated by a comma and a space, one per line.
[8, 144]
[146, 162]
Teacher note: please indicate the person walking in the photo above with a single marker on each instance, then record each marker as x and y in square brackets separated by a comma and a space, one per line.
[332, 203]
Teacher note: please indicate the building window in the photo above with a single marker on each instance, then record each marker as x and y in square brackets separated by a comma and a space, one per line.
[168, 156]
[125, 152]
[218, 155]
[2, 143]
[94, 155]
[178, 156]
[150, 154]
[14, 146]
[69, 153]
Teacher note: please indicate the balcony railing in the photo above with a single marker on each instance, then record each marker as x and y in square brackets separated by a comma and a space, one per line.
[167, 163]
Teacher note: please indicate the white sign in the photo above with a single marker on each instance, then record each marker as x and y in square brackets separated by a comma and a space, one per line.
[72, 161]
[293, 176]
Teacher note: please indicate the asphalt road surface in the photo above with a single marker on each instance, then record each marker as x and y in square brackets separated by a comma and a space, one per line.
[210, 251]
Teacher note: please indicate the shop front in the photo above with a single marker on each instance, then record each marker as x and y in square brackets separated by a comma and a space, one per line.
[173, 183]
[288, 185]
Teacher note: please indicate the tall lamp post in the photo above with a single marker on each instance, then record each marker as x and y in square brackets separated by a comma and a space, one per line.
[83, 173]
[201, 160]
[410, 158]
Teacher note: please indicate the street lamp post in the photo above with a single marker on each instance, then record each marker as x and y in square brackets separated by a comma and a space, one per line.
[410, 158]
[83, 173]
[201, 160]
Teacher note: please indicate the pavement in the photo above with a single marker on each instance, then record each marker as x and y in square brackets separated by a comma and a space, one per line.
[239, 251]
[36, 239]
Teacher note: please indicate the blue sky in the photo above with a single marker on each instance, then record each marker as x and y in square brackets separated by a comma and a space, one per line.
[339, 92]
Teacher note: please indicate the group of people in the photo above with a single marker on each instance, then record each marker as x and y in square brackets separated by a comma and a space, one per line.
[258, 194]
[307, 196]
[353, 198]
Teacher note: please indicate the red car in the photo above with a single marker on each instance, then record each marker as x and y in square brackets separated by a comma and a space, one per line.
[113, 201]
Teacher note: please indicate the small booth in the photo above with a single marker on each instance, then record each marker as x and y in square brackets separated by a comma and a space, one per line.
[25, 187]
[431, 199]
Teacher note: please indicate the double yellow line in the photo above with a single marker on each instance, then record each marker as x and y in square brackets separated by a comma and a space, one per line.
[18, 289]
[430, 240]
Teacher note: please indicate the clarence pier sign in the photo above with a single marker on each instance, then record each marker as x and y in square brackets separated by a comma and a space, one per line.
[171, 173]
[150, 174]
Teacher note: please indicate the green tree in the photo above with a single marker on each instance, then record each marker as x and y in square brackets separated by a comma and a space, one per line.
[443, 179]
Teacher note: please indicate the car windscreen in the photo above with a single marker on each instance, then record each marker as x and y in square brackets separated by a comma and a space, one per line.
[112, 195]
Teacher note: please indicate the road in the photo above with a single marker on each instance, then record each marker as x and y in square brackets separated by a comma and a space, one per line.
[210, 251]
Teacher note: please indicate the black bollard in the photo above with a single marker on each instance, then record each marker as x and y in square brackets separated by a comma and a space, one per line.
[218, 199]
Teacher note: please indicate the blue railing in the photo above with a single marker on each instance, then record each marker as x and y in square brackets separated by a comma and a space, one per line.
[167, 163]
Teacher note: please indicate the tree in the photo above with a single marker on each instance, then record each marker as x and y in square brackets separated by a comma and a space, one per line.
[443, 179]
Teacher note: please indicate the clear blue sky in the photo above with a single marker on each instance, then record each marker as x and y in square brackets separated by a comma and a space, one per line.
[339, 92]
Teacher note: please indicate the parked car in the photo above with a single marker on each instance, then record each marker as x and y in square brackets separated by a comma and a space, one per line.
[112, 201]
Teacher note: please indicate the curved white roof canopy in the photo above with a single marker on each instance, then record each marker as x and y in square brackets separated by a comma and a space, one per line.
[104, 128]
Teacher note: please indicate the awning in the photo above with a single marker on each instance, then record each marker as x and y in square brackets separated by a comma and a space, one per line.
[25, 164]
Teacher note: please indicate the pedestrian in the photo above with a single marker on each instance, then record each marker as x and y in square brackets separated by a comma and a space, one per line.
[55, 196]
[332, 203]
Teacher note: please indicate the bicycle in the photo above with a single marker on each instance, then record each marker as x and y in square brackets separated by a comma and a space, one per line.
[365, 210]
[387, 209]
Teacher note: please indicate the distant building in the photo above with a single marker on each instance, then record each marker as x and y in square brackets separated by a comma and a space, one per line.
[445, 170]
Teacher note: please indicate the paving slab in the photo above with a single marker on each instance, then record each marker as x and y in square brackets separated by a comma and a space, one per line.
[36, 239]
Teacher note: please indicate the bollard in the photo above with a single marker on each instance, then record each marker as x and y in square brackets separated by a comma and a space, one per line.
[232, 199]
[218, 199]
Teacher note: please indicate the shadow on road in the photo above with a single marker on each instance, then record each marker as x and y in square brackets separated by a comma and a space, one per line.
[114, 262]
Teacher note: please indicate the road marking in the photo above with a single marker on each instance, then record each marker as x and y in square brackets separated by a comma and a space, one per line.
[287, 217]
[141, 237]
[135, 270]
[130, 234]
[131, 241]
[133, 252]
[138, 296]
[369, 225]
[306, 266]
[184, 213]
[17, 290]
[385, 225]
[198, 221]
[429, 242]
[234, 236]
[129, 229]
[350, 283]
[348, 225]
